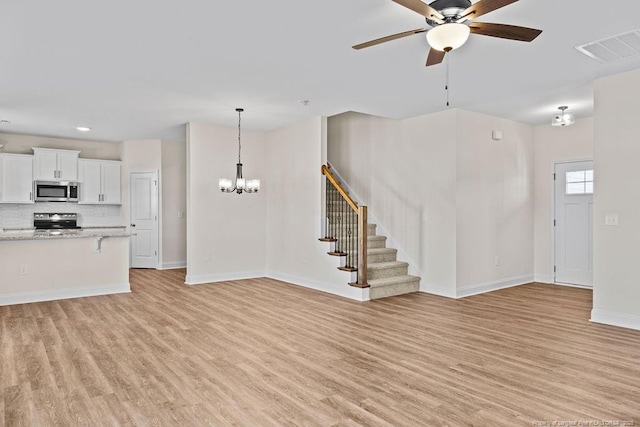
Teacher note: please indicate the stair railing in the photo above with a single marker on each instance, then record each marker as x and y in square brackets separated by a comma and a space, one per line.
[346, 225]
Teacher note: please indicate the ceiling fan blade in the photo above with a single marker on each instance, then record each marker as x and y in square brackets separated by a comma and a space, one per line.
[485, 6]
[511, 32]
[435, 57]
[421, 8]
[389, 38]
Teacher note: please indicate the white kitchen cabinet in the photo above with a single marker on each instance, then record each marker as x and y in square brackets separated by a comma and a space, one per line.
[55, 165]
[16, 178]
[99, 182]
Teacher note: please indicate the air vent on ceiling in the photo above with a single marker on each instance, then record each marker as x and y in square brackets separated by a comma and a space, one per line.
[613, 48]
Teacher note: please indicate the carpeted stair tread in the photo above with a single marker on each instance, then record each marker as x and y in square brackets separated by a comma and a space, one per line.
[389, 281]
[377, 251]
[387, 264]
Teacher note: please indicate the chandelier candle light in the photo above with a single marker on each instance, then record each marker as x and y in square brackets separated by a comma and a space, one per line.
[240, 185]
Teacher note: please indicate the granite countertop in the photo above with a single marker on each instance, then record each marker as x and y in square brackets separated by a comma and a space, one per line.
[88, 232]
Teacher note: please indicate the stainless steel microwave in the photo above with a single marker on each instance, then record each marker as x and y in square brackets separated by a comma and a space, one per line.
[56, 191]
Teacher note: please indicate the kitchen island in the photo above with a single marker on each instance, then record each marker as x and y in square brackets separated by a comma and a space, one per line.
[48, 266]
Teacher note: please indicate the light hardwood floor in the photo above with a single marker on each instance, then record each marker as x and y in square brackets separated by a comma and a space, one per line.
[261, 352]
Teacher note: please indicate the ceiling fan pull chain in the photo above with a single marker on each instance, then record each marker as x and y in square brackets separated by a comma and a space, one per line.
[446, 87]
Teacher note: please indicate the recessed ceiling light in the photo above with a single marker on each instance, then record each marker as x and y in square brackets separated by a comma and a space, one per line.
[83, 129]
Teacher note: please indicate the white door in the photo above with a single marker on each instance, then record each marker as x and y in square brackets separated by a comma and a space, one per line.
[574, 223]
[144, 219]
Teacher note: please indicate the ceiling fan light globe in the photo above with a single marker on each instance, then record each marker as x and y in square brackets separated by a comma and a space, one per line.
[448, 37]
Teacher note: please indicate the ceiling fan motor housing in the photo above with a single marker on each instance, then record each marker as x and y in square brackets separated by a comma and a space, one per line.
[450, 9]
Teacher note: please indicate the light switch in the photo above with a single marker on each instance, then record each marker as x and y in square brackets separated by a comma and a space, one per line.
[611, 219]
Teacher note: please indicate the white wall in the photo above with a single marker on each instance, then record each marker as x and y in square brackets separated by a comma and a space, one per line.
[21, 144]
[553, 145]
[404, 171]
[494, 203]
[294, 205]
[418, 201]
[174, 204]
[231, 228]
[616, 289]
[449, 197]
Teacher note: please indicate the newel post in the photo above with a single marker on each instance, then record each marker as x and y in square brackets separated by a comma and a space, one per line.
[362, 246]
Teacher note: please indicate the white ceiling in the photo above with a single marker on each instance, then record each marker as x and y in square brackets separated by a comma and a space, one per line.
[142, 69]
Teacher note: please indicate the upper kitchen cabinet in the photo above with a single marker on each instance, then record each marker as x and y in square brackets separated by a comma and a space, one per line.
[16, 178]
[99, 182]
[55, 165]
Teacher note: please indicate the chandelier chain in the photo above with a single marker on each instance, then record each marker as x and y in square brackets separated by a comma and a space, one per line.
[239, 147]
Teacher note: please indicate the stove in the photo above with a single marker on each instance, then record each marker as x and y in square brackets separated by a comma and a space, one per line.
[55, 222]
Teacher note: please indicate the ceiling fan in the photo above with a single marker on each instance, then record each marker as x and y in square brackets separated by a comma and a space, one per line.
[452, 22]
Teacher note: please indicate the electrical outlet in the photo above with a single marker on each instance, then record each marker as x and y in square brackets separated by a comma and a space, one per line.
[497, 261]
[180, 214]
[24, 269]
[207, 256]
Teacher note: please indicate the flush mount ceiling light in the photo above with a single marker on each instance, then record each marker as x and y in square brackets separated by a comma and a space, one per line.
[447, 37]
[564, 118]
[240, 185]
[83, 129]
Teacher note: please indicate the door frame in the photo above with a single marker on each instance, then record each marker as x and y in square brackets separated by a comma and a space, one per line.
[158, 209]
[553, 217]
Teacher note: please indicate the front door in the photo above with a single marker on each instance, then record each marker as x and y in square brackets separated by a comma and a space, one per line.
[144, 219]
[574, 223]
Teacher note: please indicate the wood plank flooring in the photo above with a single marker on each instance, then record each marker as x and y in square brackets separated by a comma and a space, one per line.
[265, 353]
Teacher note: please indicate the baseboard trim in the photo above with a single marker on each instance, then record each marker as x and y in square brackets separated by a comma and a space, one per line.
[344, 290]
[569, 285]
[438, 290]
[173, 265]
[543, 278]
[80, 292]
[482, 288]
[202, 279]
[622, 320]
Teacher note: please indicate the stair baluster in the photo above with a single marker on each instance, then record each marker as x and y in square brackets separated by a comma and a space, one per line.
[346, 225]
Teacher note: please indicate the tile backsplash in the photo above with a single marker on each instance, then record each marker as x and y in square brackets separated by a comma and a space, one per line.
[20, 216]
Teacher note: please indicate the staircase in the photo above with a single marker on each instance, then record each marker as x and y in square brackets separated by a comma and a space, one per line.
[385, 275]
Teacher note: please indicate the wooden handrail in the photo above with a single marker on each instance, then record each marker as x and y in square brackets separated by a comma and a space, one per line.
[362, 228]
[336, 184]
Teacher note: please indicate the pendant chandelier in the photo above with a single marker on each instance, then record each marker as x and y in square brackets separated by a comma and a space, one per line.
[240, 185]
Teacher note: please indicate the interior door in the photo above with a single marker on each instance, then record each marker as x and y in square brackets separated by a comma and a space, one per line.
[144, 219]
[574, 223]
